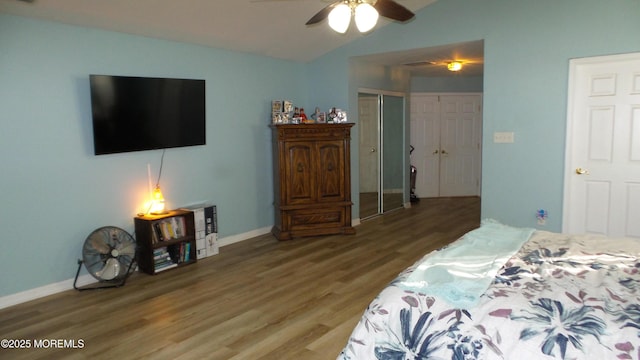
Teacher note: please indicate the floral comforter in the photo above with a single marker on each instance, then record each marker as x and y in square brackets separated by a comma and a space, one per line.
[559, 297]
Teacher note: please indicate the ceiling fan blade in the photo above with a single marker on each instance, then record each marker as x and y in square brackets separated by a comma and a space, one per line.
[392, 10]
[322, 14]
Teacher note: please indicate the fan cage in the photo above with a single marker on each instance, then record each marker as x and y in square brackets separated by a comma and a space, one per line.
[108, 254]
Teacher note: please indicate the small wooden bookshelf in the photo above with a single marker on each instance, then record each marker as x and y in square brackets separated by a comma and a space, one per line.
[165, 241]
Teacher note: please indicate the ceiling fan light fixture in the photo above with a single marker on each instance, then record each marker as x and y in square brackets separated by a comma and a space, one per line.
[366, 17]
[340, 17]
[454, 66]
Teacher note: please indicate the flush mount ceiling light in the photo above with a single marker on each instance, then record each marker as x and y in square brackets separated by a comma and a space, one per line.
[454, 66]
[364, 12]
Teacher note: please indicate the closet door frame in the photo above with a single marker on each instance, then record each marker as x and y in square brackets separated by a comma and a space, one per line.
[379, 151]
[426, 135]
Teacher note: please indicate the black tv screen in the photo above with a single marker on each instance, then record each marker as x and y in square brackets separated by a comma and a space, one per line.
[140, 113]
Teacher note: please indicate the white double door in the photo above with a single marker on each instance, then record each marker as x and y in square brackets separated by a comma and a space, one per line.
[602, 175]
[446, 136]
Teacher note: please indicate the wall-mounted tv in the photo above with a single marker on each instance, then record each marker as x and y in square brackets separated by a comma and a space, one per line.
[141, 113]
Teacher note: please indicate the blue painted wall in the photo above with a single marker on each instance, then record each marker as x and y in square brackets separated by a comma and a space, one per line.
[528, 45]
[55, 191]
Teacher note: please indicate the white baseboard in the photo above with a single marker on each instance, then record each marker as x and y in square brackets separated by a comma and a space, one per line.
[50, 289]
[43, 291]
[244, 236]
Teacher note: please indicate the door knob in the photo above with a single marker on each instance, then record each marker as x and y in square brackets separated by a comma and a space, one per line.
[444, 152]
[435, 152]
[581, 171]
[373, 150]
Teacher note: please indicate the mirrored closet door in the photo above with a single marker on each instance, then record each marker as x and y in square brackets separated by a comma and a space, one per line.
[381, 129]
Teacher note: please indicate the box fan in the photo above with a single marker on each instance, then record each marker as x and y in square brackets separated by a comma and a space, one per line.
[108, 255]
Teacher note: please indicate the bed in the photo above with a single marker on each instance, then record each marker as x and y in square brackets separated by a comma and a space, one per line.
[540, 295]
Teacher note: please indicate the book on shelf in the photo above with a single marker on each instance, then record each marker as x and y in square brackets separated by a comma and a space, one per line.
[165, 266]
[163, 262]
[187, 252]
[168, 229]
[161, 257]
[180, 253]
[160, 253]
[157, 233]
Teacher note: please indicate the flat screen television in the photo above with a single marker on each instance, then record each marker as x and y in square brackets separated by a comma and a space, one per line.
[141, 113]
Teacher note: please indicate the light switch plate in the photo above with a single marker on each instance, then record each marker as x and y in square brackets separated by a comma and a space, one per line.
[503, 137]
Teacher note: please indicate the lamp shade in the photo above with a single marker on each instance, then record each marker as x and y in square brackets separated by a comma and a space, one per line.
[340, 17]
[366, 17]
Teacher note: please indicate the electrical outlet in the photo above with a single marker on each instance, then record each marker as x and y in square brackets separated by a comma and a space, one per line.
[503, 137]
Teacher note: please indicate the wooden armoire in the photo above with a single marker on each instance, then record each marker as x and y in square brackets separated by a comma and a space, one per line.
[312, 180]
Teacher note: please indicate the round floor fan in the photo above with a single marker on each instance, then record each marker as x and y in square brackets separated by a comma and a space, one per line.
[108, 254]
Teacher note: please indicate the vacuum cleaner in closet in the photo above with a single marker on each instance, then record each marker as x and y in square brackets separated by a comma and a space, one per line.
[414, 173]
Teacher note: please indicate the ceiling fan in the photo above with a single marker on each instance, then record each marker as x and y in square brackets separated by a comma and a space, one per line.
[365, 12]
[454, 65]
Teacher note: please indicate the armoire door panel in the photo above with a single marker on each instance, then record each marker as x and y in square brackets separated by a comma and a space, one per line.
[299, 173]
[331, 175]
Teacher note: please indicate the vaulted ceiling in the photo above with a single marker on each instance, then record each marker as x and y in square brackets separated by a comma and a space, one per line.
[274, 28]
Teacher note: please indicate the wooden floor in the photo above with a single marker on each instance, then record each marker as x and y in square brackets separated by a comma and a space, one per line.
[369, 203]
[258, 299]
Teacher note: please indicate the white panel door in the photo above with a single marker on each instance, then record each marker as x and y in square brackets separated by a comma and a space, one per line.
[602, 178]
[460, 128]
[425, 138]
[446, 135]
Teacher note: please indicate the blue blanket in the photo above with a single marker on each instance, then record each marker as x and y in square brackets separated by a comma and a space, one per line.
[463, 270]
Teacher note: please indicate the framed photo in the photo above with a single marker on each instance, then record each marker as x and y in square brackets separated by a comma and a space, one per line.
[277, 106]
[287, 106]
[342, 116]
[276, 117]
[322, 118]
